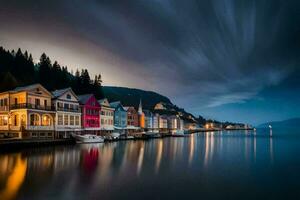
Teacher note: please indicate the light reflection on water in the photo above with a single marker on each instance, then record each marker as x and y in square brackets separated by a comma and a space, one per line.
[198, 164]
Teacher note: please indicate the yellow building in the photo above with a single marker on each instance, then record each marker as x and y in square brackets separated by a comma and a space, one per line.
[26, 112]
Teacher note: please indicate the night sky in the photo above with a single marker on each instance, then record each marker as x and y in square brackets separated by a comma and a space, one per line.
[228, 60]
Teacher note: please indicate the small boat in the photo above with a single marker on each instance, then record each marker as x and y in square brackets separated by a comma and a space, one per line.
[88, 138]
[150, 134]
[115, 135]
[179, 133]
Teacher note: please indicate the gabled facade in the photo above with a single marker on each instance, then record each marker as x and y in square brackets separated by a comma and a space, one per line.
[132, 117]
[106, 117]
[120, 115]
[26, 112]
[163, 122]
[90, 114]
[148, 119]
[68, 114]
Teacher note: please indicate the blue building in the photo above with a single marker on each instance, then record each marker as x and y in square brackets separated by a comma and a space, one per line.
[148, 119]
[120, 115]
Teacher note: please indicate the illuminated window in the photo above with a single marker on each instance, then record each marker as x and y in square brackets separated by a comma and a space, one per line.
[60, 120]
[34, 120]
[72, 120]
[46, 120]
[77, 120]
[3, 120]
[66, 119]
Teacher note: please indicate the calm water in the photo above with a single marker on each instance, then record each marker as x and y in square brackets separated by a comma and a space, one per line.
[227, 165]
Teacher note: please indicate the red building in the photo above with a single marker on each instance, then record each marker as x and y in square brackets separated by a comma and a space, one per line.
[132, 116]
[90, 116]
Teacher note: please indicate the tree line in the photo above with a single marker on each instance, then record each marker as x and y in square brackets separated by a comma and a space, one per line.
[18, 69]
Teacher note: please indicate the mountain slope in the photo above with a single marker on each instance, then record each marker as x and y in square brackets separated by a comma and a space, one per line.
[294, 122]
[132, 97]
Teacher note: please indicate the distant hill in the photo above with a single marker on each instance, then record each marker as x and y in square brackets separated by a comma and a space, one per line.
[131, 97]
[282, 124]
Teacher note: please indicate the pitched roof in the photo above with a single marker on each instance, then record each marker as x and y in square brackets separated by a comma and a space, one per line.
[115, 104]
[84, 98]
[30, 87]
[58, 93]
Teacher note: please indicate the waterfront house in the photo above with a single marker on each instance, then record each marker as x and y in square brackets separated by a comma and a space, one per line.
[4, 114]
[156, 122]
[141, 116]
[90, 114]
[106, 117]
[26, 112]
[148, 120]
[173, 123]
[120, 115]
[132, 120]
[132, 117]
[163, 123]
[68, 114]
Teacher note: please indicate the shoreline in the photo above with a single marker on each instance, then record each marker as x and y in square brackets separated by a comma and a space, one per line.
[8, 145]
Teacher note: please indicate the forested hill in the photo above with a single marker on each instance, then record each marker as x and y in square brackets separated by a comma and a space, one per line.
[132, 97]
[18, 69]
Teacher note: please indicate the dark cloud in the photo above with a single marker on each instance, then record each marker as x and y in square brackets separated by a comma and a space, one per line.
[203, 54]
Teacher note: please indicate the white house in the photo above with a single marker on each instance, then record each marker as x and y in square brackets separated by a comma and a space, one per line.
[106, 117]
[68, 115]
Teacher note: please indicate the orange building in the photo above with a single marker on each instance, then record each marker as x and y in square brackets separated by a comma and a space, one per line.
[141, 116]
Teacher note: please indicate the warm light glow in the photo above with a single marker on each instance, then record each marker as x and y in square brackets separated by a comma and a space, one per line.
[15, 180]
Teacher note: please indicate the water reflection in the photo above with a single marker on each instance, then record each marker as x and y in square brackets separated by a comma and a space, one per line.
[13, 172]
[97, 167]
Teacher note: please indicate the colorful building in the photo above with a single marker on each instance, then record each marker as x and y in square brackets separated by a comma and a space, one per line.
[141, 116]
[173, 123]
[148, 120]
[106, 117]
[120, 115]
[132, 116]
[26, 112]
[163, 123]
[156, 117]
[68, 114]
[90, 114]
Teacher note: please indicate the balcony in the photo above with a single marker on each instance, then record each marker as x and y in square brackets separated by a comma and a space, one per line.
[4, 108]
[31, 106]
[4, 128]
[67, 109]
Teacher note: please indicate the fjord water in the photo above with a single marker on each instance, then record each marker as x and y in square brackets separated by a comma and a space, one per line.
[214, 165]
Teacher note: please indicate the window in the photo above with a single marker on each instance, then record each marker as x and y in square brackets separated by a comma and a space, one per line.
[72, 120]
[3, 120]
[66, 119]
[34, 120]
[68, 96]
[59, 120]
[45, 103]
[66, 106]
[16, 101]
[46, 120]
[5, 102]
[77, 120]
[71, 107]
[37, 102]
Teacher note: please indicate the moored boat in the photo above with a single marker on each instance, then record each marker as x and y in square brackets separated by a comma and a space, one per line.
[179, 133]
[88, 138]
